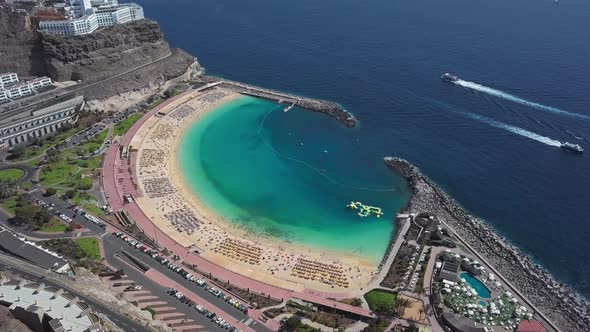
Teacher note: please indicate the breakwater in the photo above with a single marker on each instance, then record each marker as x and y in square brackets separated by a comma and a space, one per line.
[556, 301]
[317, 105]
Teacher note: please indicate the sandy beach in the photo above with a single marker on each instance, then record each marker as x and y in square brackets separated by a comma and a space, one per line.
[176, 209]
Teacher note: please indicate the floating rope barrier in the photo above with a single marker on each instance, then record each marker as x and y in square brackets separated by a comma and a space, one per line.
[309, 165]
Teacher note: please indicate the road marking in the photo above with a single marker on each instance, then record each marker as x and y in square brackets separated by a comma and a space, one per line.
[104, 234]
[78, 234]
[248, 321]
[34, 190]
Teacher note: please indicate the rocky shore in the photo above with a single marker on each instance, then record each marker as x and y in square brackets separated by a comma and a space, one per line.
[555, 300]
[322, 106]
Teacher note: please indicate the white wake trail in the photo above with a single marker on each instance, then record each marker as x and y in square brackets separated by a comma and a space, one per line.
[513, 129]
[507, 96]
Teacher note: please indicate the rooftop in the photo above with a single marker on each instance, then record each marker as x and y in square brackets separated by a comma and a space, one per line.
[26, 250]
[66, 309]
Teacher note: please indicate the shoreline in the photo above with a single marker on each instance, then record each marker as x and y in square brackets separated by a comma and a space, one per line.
[179, 178]
[277, 259]
[555, 300]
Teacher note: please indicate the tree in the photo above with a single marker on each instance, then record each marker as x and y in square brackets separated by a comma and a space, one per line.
[403, 304]
[412, 327]
[70, 194]
[18, 151]
[25, 215]
[50, 191]
[7, 187]
[356, 302]
[290, 324]
[52, 155]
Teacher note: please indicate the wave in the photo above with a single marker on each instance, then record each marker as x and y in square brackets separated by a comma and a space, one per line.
[513, 98]
[513, 129]
[574, 135]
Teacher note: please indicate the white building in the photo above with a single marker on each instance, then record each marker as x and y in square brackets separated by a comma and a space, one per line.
[89, 15]
[18, 90]
[8, 78]
[22, 127]
[76, 26]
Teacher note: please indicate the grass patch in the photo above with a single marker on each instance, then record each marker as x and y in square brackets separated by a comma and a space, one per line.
[379, 299]
[122, 127]
[11, 174]
[54, 226]
[90, 247]
[9, 204]
[69, 171]
[57, 172]
[94, 144]
[156, 103]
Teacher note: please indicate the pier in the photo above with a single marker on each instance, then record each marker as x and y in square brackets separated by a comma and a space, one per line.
[317, 105]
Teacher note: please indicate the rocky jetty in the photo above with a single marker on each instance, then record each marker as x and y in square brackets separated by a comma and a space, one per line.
[317, 105]
[555, 300]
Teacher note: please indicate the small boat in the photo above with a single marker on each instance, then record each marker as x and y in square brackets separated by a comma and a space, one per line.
[576, 148]
[449, 78]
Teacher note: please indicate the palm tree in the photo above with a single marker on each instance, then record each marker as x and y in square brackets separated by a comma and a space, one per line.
[403, 304]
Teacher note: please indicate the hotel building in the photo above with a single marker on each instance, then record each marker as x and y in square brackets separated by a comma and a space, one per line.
[85, 16]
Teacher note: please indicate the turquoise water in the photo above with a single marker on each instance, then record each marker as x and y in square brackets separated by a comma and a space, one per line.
[289, 175]
[483, 303]
[481, 289]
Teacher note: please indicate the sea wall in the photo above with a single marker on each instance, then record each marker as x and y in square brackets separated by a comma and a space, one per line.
[555, 300]
[317, 105]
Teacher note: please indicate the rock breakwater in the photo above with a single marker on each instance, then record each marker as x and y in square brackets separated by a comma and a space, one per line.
[317, 105]
[560, 304]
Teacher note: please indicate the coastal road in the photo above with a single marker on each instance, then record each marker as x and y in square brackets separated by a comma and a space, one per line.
[37, 274]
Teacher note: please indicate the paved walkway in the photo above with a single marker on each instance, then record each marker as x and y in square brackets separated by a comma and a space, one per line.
[376, 282]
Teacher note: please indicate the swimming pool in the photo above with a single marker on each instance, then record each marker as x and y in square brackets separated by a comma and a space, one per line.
[479, 286]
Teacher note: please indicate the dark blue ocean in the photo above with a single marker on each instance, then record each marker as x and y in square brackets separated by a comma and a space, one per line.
[382, 60]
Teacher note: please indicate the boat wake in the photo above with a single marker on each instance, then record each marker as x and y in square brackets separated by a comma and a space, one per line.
[507, 96]
[513, 129]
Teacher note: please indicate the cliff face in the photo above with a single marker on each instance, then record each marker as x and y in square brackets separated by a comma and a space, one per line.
[20, 50]
[105, 53]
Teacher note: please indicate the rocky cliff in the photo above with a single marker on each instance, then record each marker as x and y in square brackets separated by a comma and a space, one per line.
[20, 50]
[133, 56]
[105, 53]
[117, 66]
